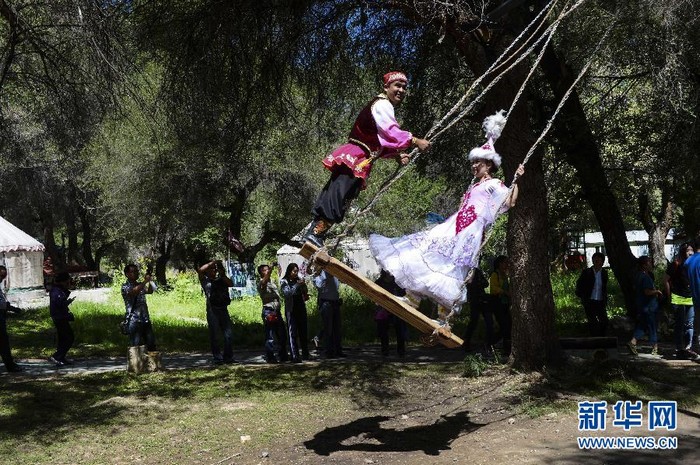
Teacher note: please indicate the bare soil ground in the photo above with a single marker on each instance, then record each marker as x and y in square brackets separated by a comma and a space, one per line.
[355, 411]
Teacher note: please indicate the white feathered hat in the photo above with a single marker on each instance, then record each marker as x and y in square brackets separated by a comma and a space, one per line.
[493, 125]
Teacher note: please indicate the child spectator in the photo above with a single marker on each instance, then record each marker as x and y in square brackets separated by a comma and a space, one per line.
[59, 301]
[272, 316]
[384, 319]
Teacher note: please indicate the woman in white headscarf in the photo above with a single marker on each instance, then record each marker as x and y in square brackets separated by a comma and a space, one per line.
[435, 263]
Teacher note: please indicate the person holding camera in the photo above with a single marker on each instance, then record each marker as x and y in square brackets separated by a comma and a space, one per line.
[5, 308]
[137, 318]
[215, 284]
[272, 316]
[59, 300]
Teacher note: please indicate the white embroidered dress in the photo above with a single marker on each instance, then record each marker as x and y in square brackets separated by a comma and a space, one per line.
[434, 263]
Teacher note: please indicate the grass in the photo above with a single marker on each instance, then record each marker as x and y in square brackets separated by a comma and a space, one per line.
[180, 324]
[200, 414]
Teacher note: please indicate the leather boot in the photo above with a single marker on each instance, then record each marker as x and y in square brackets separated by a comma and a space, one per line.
[317, 232]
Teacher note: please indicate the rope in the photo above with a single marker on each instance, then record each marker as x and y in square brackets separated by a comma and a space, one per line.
[544, 132]
[415, 154]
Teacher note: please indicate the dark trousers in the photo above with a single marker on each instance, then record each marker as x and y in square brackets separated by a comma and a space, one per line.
[275, 336]
[478, 307]
[5, 352]
[597, 316]
[219, 321]
[339, 191]
[501, 311]
[297, 321]
[64, 339]
[383, 334]
[142, 334]
[330, 317]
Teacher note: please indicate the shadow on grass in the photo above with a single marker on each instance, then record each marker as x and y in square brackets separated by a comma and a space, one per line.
[368, 435]
[40, 409]
[97, 334]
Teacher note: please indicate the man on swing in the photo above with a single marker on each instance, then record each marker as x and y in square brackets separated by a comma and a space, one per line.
[375, 134]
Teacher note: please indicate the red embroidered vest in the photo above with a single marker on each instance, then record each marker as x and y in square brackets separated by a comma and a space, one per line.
[365, 128]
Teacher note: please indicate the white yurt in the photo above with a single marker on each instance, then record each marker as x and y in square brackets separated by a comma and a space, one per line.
[356, 254]
[22, 255]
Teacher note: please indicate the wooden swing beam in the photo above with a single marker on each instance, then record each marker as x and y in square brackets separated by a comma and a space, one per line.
[380, 296]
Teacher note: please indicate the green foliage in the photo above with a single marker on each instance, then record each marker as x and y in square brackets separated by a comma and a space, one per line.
[570, 317]
[474, 366]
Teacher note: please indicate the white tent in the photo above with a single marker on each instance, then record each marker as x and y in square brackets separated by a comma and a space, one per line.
[355, 253]
[22, 255]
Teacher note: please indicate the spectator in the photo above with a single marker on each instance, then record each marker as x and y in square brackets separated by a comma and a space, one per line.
[499, 288]
[375, 134]
[692, 265]
[295, 296]
[647, 306]
[272, 316]
[479, 304]
[5, 351]
[677, 290]
[592, 289]
[48, 271]
[59, 300]
[215, 284]
[384, 319]
[574, 261]
[329, 308]
[138, 320]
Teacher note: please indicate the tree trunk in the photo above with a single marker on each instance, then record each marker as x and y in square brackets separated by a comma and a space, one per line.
[49, 242]
[165, 247]
[86, 246]
[72, 253]
[657, 225]
[578, 143]
[534, 338]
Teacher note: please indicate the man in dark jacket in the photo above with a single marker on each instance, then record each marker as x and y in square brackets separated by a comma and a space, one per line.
[592, 289]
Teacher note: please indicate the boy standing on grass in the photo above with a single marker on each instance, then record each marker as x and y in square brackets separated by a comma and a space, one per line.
[272, 316]
[138, 320]
[60, 314]
[215, 284]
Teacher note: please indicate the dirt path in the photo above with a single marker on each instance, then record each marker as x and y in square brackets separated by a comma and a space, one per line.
[450, 420]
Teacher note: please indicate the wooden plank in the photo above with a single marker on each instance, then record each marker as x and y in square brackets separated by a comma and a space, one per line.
[380, 296]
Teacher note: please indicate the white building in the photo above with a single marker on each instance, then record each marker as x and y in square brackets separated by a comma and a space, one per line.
[638, 241]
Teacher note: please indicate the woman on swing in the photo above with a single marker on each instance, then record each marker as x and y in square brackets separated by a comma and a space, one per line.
[435, 263]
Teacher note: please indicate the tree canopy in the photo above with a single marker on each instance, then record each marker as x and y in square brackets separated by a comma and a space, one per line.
[152, 128]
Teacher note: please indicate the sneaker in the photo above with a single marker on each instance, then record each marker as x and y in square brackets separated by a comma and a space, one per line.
[655, 351]
[58, 363]
[632, 348]
[692, 355]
